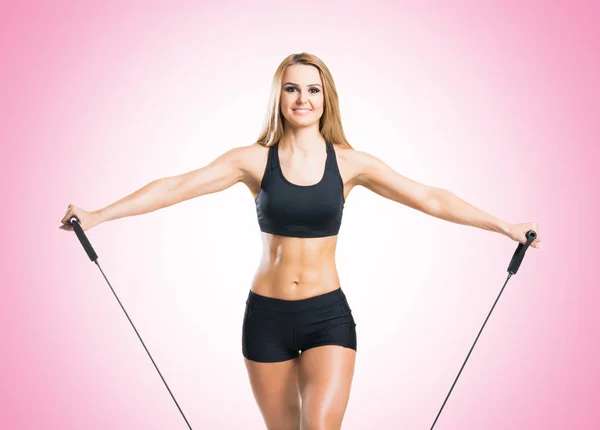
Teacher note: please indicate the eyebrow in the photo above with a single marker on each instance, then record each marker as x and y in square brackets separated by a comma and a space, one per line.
[311, 85]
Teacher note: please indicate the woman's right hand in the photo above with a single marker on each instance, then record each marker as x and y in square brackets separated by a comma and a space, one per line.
[87, 219]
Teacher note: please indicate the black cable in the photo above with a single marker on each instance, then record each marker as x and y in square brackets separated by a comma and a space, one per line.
[138, 335]
[463, 365]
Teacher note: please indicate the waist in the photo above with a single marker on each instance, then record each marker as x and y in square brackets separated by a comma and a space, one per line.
[293, 268]
[282, 305]
[290, 283]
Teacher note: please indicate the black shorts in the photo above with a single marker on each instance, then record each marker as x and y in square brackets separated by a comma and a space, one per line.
[278, 330]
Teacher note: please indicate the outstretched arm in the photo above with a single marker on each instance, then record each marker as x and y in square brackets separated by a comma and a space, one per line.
[449, 207]
[377, 176]
[220, 174]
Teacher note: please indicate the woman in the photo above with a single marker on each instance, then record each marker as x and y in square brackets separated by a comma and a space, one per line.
[298, 335]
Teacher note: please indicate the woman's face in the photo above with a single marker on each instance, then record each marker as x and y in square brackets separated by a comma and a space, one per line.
[302, 95]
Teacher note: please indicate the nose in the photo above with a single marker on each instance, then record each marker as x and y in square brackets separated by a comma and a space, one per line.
[302, 97]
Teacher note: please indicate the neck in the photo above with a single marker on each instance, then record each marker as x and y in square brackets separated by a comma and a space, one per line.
[302, 141]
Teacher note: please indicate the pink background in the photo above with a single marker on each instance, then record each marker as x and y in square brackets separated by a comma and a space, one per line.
[498, 103]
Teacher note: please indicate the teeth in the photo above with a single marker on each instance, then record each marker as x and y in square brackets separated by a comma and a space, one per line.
[302, 110]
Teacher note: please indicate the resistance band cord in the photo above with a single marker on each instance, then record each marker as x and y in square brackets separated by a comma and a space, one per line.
[513, 267]
[473, 346]
[138, 335]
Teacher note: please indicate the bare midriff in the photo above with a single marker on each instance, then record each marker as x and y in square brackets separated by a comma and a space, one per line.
[294, 268]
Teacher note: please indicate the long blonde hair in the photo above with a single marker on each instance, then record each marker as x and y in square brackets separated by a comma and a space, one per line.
[330, 123]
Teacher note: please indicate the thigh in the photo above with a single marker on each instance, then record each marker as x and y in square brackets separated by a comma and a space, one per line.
[325, 378]
[275, 388]
[327, 325]
[267, 336]
[272, 367]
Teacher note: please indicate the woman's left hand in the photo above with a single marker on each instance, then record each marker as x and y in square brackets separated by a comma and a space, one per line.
[517, 233]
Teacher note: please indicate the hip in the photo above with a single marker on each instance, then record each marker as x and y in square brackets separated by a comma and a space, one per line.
[328, 308]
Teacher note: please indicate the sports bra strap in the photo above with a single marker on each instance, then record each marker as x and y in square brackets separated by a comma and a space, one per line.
[330, 164]
[271, 162]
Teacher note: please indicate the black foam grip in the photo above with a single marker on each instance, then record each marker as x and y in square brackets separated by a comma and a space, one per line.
[74, 221]
[517, 257]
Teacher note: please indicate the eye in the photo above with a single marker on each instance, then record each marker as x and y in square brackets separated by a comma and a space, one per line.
[290, 89]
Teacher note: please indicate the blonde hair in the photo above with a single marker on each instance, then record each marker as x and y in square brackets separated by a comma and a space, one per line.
[330, 123]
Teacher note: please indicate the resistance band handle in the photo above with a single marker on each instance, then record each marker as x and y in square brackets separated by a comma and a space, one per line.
[74, 221]
[517, 257]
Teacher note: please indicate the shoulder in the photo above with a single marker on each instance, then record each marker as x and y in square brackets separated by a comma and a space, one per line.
[357, 164]
[247, 155]
[250, 160]
[353, 156]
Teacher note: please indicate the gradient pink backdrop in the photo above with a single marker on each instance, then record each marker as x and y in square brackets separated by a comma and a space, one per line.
[497, 102]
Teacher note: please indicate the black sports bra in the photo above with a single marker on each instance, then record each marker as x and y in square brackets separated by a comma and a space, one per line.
[288, 209]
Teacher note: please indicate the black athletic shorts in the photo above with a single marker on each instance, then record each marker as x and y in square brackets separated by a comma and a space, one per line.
[278, 330]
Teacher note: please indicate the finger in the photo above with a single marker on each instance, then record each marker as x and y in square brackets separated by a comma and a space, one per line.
[69, 208]
[66, 217]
